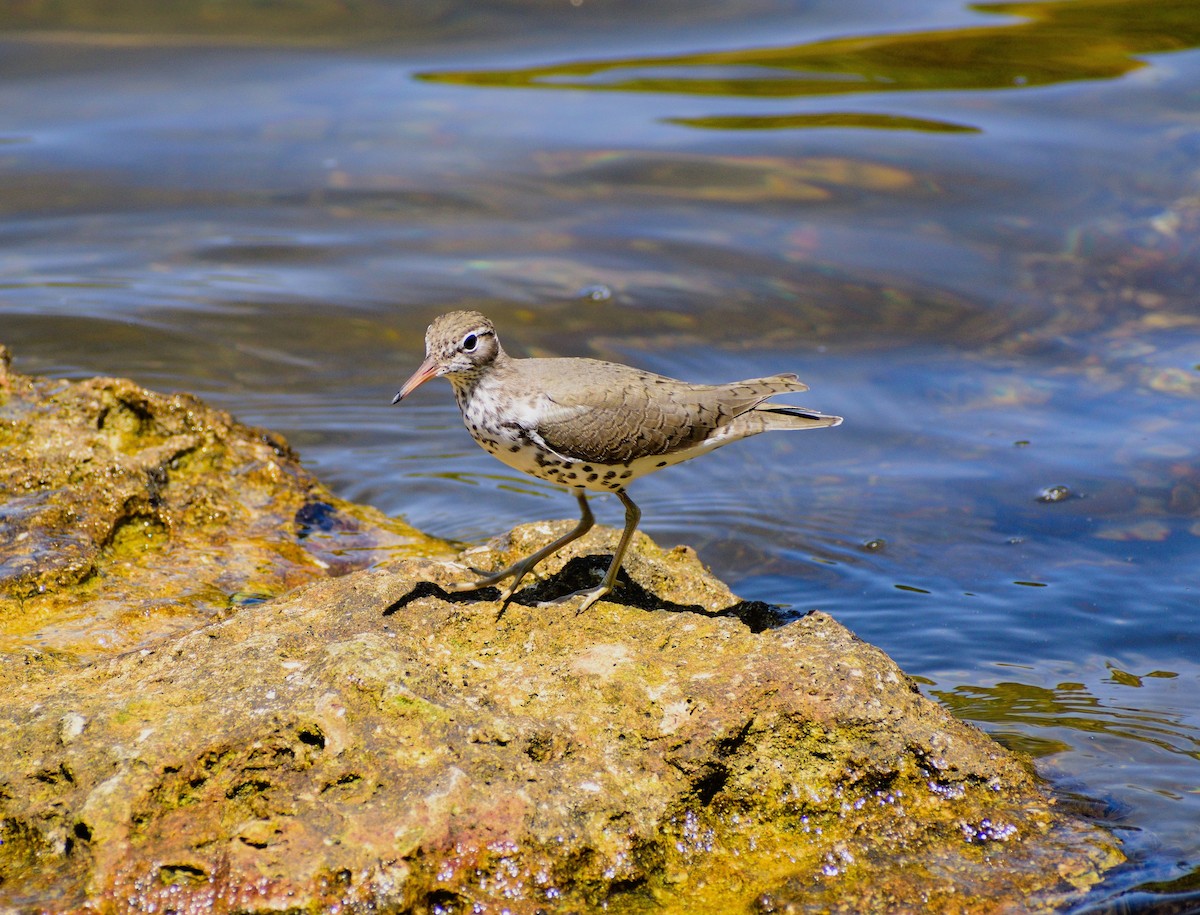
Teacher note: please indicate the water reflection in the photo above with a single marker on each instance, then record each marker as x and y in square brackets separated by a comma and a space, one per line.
[1073, 707]
[1054, 42]
[875, 121]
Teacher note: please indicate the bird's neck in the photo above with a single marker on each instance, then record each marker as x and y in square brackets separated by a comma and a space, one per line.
[467, 383]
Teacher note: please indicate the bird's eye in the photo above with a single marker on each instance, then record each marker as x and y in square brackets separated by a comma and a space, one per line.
[470, 341]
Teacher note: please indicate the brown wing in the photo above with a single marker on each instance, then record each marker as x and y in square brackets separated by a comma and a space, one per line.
[612, 414]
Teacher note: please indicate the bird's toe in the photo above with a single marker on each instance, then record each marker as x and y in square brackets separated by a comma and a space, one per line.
[590, 596]
[460, 586]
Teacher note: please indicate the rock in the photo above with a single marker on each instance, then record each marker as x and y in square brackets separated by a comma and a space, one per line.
[373, 742]
[126, 515]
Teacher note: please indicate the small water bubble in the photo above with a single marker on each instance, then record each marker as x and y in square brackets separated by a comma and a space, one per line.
[1054, 494]
[766, 904]
[597, 292]
[947, 792]
[987, 831]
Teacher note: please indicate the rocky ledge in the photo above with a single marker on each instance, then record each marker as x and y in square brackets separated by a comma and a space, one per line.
[370, 742]
[127, 515]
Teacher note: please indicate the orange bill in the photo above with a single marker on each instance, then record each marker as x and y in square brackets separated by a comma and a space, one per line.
[427, 369]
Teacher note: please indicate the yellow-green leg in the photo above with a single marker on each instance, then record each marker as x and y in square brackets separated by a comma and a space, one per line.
[633, 515]
[519, 570]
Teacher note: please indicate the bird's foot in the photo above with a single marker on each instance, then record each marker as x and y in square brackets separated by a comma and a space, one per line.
[516, 573]
[589, 595]
[459, 586]
[488, 581]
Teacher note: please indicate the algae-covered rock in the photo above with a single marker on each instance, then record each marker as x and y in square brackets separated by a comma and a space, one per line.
[371, 742]
[126, 515]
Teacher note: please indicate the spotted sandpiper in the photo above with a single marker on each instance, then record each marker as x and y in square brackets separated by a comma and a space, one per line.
[590, 425]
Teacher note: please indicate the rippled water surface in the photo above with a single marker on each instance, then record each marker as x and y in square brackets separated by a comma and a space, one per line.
[974, 231]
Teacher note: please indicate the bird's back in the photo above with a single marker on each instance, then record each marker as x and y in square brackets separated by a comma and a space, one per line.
[612, 414]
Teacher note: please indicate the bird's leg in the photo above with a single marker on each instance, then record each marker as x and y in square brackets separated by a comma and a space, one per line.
[633, 515]
[519, 570]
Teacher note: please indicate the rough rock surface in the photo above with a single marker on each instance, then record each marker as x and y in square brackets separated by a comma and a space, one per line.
[126, 515]
[372, 743]
[369, 742]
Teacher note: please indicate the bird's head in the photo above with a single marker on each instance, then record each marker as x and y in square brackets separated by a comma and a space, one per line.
[460, 343]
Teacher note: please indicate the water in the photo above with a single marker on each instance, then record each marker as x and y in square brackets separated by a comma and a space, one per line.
[973, 231]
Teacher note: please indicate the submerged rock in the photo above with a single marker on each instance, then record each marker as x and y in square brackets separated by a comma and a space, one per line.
[373, 743]
[126, 515]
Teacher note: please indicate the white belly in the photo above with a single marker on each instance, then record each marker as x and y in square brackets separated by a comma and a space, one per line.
[514, 441]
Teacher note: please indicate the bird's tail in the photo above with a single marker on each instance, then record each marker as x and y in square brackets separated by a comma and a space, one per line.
[787, 417]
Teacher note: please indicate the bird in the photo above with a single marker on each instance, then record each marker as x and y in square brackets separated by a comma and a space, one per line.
[590, 425]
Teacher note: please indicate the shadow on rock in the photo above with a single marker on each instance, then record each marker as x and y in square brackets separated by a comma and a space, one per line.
[581, 572]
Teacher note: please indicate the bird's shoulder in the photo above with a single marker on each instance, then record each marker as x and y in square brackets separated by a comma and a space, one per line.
[595, 384]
